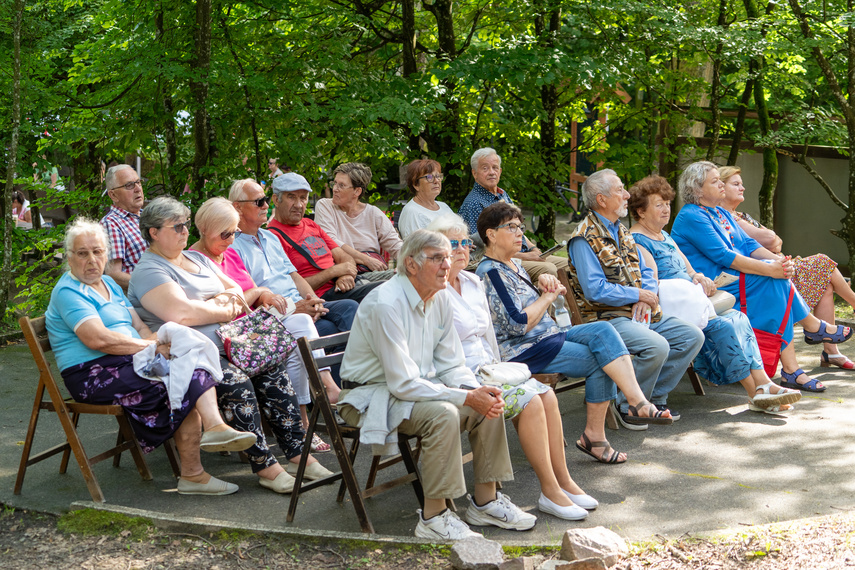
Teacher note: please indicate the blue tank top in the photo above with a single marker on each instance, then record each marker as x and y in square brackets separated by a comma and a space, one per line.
[669, 262]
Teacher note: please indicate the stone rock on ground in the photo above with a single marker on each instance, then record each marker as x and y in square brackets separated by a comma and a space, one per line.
[584, 564]
[476, 553]
[522, 563]
[597, 542]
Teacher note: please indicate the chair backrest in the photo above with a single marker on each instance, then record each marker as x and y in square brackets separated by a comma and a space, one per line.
[573, 307]
[33, 329]
[313, 365]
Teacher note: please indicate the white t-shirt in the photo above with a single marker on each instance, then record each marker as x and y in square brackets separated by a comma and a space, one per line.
[415, 217]
[472, 321]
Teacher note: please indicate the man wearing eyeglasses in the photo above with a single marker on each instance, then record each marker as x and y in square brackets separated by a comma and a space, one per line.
[264, 258]
[319, 260]
[122, 222]
[404, 370]
[487, 170]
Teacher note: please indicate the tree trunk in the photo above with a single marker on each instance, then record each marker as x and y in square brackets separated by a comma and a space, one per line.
[12, 157]
[170, 175]
[716, 94]
[199, 92]
[549, 101]
[739, 129]
[409, 63]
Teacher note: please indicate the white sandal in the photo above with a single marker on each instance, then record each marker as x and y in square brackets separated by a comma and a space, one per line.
[765, 399]
[779, 410]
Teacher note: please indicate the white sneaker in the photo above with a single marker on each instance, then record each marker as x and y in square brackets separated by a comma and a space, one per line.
[444, 527]
[501, 513]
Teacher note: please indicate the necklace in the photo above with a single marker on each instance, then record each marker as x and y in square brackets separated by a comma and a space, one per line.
[722, 221]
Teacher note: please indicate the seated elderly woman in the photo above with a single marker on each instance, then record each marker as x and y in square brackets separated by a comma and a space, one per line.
[217, 222]
[170, 284]
[714, 243]
[95, 332]
[527, 334]
[363, 231]
[531, 406]
[730, 352]
[816, 278]
[424, 179]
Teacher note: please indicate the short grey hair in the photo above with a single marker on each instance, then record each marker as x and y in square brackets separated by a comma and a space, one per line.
[358, 173]
[158, 212]
[483, 153]
[110, 178]
[415, 246]
[692, 181]
[597, 184]
[82, 227]
[237, 191]
[449, 224]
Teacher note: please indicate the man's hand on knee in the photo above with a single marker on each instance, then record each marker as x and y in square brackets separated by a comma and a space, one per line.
[486, 400]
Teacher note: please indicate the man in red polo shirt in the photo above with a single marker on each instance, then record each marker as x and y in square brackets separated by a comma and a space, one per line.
[319, 260]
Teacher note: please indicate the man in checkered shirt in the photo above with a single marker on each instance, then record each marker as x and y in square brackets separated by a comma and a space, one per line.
[122, 222]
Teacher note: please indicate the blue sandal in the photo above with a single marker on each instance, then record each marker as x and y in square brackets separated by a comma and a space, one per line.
[789, 381]
[822, 335]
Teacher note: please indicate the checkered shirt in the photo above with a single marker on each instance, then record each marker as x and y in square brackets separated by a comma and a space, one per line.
[126, 241]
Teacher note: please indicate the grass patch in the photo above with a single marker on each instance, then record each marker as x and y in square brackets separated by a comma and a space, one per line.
[842, 309]
[89, 522]
[517, 551]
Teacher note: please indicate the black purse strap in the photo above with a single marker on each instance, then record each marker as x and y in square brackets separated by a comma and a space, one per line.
[300, 249]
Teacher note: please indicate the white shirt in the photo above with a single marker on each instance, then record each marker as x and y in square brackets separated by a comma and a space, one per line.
[472, 321]
[410, 345]
[415, 217]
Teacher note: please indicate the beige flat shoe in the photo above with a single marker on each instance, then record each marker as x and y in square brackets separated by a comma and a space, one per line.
[283, 483]
[213, 487]
[313, 471]
[227, 440]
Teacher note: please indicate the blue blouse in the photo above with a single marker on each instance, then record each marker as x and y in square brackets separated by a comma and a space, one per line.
[666, 254]
[508, 293]
[72, 303]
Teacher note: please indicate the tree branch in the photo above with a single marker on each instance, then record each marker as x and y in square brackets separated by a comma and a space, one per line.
[801, 159]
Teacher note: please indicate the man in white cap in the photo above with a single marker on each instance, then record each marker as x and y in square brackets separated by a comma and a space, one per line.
[325, 266]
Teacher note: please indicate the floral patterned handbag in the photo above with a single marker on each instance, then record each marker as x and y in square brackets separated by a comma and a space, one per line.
[256, 341]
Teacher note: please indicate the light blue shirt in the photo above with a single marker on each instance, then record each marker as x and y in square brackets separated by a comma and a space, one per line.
[72, 303]
[592, 279]
[267, 263]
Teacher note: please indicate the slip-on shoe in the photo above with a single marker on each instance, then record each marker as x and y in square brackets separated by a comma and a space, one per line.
[213, 487]
[571, 513]
[227, 440]
[283, 483]
[585, 501]
[313, 471]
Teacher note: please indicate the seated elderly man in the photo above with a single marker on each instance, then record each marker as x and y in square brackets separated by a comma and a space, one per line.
[611, 282]
[486, 170]
[269, 267]
[410, 375]
[319, 260]
[122, 222]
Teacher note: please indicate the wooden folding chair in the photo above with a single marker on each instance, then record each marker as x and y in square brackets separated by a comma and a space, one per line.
[69, 413]
[337, 434]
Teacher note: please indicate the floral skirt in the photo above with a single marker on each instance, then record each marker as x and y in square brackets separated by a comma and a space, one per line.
[517, 397]
[812, 276]
[111, 379]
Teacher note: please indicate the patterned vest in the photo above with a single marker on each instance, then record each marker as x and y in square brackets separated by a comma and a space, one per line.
[620, 265]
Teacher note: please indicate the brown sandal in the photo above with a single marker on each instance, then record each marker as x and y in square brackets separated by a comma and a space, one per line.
[609, 455]
[634, 417]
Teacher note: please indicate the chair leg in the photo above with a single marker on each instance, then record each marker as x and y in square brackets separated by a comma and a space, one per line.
[136, 451]
[696, 381]
[63, 465]
[301, 467]
[28, 441]
[611, 419]
[68, 425]
[173, 457]
[412, 467]
[354, 448]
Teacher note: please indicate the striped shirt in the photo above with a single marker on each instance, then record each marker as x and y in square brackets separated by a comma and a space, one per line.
[126, 241]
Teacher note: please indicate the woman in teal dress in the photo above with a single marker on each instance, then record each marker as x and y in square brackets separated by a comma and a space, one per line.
[730, 352]
[712, 241]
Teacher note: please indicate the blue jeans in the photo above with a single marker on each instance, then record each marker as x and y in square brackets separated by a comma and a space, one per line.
[339, 319]
[662, 353]
[587, 348]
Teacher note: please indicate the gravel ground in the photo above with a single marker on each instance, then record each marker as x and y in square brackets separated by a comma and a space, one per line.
[33, 540]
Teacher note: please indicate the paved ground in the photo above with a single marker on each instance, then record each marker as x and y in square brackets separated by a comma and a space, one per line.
[719, 467]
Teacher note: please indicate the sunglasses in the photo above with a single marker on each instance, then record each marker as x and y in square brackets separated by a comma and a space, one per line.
[179, 227]
[464, 243]
[226, 235]
[261, 202]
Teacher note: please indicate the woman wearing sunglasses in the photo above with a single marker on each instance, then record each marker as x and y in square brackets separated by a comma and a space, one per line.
[187, 287]
[424, 179]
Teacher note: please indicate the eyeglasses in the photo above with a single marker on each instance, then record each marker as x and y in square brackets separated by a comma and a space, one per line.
[130, 185]
[261, 202]
[438, 258]
[179, 227]
[433, 177]
[463, 243]
[83, 254]
[226, 235]
[512, 227]
[337, 186]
